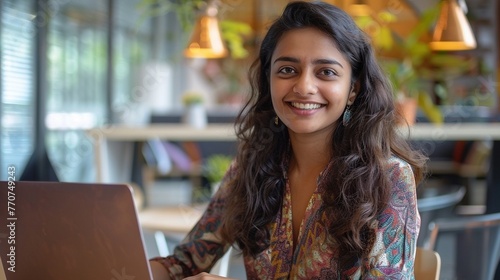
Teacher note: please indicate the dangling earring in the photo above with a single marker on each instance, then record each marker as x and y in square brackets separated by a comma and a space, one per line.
[276, 120]
[347, 115]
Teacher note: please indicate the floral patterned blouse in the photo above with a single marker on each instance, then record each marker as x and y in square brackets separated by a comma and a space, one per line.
[314, 257]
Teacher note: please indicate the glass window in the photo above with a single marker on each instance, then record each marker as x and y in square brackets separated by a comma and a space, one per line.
[132, 52]
[16, 84]
[78, 77]
[76, 85]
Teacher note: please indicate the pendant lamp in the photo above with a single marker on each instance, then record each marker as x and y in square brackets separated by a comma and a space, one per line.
[206, 40]
[452, 32]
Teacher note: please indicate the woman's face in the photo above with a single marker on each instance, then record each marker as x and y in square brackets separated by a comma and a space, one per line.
[310, 81]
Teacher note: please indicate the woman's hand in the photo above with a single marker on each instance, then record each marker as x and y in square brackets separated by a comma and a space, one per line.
[206, 276]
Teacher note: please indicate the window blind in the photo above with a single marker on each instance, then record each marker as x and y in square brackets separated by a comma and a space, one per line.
[16, 84]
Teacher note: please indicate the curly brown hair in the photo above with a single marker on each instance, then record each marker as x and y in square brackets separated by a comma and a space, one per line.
[358, 186]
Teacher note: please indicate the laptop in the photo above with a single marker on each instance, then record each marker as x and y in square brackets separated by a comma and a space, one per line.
[55, 230]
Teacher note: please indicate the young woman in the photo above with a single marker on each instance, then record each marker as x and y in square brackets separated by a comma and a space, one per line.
[322, 187]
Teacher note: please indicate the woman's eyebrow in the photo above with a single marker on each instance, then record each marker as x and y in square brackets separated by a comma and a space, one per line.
[327, 61]
[286, 59]
[316, 62]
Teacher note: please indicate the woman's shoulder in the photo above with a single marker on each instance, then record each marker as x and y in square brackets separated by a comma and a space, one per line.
[396, 162]
[400, 171]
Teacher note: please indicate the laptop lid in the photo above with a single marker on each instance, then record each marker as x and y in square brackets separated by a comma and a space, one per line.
[55, 230]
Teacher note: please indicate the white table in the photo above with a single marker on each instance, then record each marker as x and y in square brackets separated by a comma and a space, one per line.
[113, 145]
[172, 219]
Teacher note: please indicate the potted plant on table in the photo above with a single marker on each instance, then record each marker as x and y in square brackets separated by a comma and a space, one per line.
[215, 168]
[195, 114]
[405, 85]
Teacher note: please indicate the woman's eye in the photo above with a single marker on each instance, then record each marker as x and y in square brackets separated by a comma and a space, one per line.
[286, 70]
[328, 72]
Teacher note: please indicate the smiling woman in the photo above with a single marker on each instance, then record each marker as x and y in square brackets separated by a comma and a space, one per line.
[322, 186]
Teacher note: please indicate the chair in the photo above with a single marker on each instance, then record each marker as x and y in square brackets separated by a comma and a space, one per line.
[221, 267]
[427, 264]
[434, 203]
[472, 244]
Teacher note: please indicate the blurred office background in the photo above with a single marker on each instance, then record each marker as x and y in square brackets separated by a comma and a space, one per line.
[69, 66]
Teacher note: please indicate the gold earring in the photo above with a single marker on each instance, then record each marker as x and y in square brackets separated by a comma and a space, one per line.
[276, 120]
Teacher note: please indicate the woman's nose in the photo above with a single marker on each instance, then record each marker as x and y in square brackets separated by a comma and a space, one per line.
[305, 84]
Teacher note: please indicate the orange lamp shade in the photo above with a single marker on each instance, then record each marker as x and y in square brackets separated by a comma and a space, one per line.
[206, 40]
[452, 32]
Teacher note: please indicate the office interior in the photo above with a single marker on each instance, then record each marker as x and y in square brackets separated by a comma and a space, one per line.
[100, 92]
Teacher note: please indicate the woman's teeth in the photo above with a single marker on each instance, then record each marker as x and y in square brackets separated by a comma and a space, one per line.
[306, 106]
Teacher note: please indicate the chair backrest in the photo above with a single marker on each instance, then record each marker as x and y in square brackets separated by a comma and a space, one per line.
[440, 198]
[427, 264]
[221, 267]
[434, 203]
[472, 242]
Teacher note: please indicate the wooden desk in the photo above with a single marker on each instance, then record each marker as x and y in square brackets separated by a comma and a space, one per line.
[173, 219]
[113, 152]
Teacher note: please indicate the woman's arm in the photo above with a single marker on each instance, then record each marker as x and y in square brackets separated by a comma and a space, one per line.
[393, 254]
[160, 273]
[202, 246]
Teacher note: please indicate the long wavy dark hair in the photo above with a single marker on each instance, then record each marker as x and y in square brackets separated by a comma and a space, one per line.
[358, 186]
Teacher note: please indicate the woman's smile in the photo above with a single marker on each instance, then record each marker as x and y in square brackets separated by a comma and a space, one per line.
[305, 109]
[305, 106]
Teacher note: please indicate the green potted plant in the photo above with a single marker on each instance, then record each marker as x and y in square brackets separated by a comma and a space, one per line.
[195, 114]
[192, 98]
[215, 168]
[405, 85]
